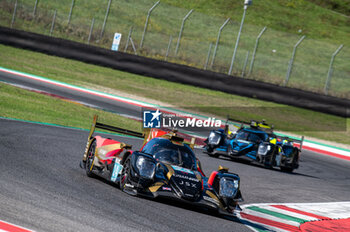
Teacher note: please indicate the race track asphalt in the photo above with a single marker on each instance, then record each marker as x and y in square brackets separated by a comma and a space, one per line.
[43, 188]
[80, 96]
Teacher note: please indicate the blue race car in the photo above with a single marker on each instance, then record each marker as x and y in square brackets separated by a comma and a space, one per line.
[256, 142]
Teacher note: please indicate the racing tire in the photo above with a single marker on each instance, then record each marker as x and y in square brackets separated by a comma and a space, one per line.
[210, 152]
[269, 161]
[90, 159]
[293, 165]
[125, 175]
[213, 155]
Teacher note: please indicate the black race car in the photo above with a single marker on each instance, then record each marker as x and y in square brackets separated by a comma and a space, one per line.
[164, 166]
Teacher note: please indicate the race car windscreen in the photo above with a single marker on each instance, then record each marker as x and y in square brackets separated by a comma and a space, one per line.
[251, 136]
[165, 151]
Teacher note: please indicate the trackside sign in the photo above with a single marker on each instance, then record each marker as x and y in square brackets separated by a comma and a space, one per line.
[116, 41]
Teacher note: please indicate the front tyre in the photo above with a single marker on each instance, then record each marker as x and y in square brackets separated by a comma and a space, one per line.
[293, 164]
[270, 160]
[213, 155]
[210, 151]
[125, 175]
[89, 166]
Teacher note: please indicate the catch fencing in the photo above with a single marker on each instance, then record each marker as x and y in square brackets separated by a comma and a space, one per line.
[174, 72]
[157, 30]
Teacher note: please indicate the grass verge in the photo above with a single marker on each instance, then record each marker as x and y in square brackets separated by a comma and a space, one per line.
[199, 100]
[22, 104]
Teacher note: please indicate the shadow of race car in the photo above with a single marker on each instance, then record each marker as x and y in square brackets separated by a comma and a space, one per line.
[255, 141]
[165, 166]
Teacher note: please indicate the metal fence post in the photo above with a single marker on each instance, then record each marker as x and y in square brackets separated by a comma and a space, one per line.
[133, 45]
[53, 22]
[237, 41]
[245, 64]
[127, 41]
[330, 71]
[14, 14]
[167, 51]
[181, 30]
[146, 23]
[217, 42]
[208, 56]
[35, 5]
[91, 29]
[105, 20]
[290, 67]
[70, 12]
[255, 49]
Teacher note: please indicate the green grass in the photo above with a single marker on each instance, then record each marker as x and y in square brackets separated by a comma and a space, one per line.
[340, 6]
[194, 99]
[26, 105]
[325, 30]
[316, 20]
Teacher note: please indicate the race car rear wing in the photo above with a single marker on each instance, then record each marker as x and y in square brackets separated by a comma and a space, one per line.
[147, 135]
[103, 126]
[299, 141]
[254, 124]
[268, 129]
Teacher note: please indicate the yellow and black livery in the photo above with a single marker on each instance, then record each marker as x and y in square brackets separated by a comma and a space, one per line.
[256, 141]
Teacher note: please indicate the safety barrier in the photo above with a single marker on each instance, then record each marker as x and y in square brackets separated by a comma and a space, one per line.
[174, 72]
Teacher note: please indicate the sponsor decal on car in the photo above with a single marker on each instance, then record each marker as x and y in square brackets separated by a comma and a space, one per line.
[116, 170]
[181, 169]
[186, 177]
[166, 188]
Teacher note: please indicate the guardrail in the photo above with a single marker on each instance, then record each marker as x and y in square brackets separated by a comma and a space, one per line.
[174, 72]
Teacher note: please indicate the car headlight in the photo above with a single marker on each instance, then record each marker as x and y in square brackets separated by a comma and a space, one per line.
[263, 149]
[146, 167]
[214, 138]
[228, 187]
